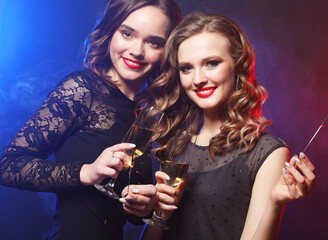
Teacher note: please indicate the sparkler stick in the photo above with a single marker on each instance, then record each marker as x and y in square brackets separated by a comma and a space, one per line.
[315, 134]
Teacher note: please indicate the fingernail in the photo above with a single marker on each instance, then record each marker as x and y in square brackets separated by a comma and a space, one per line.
[174, 207]
[122, 200]
[302, 155]
[284, 170]
[166, 177]
[176, 193]
[136, 190]
[287, 165]
[132, 145]
[128, 197]
[298, 161]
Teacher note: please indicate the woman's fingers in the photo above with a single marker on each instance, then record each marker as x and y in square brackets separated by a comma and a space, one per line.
[166, 189]
[108, 164]
[307, 162]
[161, 177]
[121, 147]
[305, 169]
[167, 196]
[165, 202]
[297, 180]
[108, 172]
[299, 177]
[115, 157]
[289, 182]
[174, 193]
[140, 200]
[296, 174]
[308, 174]
[120, 160]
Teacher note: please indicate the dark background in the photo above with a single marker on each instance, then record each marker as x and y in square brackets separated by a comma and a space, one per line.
[41, 41]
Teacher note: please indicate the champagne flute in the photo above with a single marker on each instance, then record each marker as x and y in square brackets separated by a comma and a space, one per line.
[177, 171]
[140, 133]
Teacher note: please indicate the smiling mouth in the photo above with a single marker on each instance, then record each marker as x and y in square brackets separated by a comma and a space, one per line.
[133, 64]
[205, 92]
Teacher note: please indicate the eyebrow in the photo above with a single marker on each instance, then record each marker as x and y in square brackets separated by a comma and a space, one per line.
[210, 58]
[131, 29]
[127, 27]
[204, 60]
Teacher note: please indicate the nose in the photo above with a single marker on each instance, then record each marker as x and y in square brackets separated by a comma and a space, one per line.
[200, 77]
[137, 50]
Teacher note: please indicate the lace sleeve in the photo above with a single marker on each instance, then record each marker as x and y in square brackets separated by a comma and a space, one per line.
[24, 164]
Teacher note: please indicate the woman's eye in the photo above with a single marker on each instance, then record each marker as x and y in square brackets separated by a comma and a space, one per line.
[126, 34]
[184, 69]
[212, 63]
[156, 44]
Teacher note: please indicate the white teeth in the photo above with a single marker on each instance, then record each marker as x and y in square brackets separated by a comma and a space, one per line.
[204, 91]
[133, 63]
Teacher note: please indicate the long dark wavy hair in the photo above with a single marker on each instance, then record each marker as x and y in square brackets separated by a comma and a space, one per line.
[243, 121]
[97, 56]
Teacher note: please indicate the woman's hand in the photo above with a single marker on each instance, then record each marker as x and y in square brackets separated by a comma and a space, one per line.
[109, 164]
[140, 199]
[167, 196]
[297, 181]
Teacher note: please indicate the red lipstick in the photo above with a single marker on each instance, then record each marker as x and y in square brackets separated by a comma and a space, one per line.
[132, 63]
[204, 92]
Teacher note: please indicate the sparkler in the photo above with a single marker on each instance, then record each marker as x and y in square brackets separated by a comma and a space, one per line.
[315, 134]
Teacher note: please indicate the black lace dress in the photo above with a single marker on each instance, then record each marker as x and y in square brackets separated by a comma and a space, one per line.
[78, 120]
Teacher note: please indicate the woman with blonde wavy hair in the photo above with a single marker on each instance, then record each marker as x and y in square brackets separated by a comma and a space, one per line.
[240, 177]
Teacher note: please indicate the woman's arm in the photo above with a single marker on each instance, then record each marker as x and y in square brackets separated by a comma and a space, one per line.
[24, 163]
[272, 189]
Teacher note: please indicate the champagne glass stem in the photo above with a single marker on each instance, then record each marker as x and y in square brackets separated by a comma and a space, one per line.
[129, 181]
[156, 220]
[158, 215]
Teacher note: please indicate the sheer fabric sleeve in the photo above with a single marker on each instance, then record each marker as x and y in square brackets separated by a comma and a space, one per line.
[24, 163]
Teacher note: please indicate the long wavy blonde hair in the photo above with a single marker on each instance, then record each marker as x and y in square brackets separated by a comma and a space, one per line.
[243, 119]
[97, 55]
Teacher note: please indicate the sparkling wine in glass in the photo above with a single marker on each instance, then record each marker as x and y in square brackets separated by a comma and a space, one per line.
[177, 171]
[140, 133]
[140, 137]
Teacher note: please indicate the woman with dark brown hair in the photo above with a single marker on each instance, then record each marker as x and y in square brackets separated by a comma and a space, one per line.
[83, 122]
[240, 177]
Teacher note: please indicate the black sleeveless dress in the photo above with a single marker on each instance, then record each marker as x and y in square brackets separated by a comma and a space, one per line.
[215, 202]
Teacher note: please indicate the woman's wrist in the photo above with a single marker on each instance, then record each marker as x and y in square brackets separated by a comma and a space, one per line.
[84, 176]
